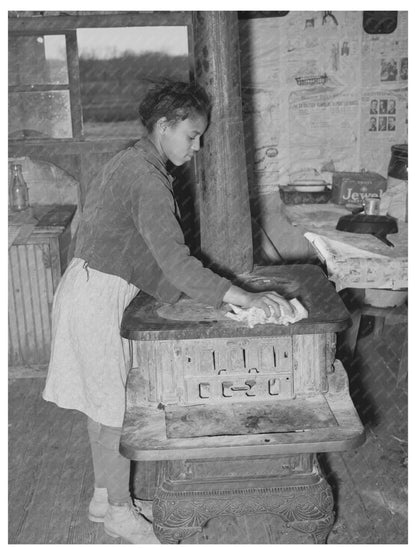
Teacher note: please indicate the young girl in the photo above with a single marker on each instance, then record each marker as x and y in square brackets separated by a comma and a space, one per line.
[130, 239]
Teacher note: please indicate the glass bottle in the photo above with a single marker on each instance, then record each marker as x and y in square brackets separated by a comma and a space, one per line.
[19, 192]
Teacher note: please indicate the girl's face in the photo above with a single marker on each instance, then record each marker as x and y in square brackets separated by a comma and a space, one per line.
[180, 141]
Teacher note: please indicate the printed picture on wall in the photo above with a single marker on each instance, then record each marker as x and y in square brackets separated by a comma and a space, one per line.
[391, 106]
[373, 124]
[391, 123]
[388, 70]
[383, 106]
[374, 106]
[403, 69]
[345, 49]
[382, 123]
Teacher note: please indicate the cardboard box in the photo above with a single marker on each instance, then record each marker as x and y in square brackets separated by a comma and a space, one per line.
[355, 187]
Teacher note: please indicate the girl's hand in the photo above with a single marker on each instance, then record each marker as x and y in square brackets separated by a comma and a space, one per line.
[270, 301]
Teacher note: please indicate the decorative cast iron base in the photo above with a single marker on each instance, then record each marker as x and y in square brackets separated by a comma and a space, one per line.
[184, 502]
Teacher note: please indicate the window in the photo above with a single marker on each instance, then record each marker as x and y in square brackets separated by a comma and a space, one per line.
[117, 67]
[39, 87]
[88, 82]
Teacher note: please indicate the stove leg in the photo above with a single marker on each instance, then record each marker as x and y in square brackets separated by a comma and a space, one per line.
[317, 530]
[169, 534]
[307, 508]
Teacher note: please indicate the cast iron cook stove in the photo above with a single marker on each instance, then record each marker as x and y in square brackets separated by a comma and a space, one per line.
[237, 415]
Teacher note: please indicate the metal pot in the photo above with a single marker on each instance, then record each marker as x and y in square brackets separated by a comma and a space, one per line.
[379, 226]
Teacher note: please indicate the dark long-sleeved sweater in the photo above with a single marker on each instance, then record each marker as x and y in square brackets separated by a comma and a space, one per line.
[130, 228]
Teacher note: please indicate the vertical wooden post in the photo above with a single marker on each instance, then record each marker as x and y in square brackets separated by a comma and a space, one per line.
[226, 236]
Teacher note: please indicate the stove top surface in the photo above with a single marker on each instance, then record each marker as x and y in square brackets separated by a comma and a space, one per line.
[148, 319]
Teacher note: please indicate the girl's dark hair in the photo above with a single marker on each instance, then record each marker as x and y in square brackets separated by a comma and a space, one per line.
[175, 101]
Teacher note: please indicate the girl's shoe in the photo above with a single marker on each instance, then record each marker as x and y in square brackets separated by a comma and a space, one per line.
[127, 522]
[98, 505]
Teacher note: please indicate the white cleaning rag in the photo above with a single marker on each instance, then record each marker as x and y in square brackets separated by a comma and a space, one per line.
[254, 315]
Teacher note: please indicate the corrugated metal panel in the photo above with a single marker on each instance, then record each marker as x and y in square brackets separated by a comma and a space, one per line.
[30, 300]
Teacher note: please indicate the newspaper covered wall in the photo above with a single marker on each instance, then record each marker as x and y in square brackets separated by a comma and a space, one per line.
[320, 93]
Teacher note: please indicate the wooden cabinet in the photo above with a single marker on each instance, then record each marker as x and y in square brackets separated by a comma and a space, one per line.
[37, 258]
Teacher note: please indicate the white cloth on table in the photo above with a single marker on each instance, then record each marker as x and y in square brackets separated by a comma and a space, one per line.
[89, 359]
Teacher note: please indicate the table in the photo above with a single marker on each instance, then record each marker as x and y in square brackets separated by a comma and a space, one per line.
[357, 262]
[237, 414]
[352, 259]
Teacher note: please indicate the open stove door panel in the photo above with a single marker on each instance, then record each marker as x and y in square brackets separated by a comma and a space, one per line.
[327, 422]
[297, 415]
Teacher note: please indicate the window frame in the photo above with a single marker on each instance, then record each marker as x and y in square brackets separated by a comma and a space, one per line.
[73, 85]
[67, 24]
[81, 157]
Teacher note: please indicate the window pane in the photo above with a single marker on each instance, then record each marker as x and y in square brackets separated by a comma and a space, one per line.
[39, 115]
[118, 65]
[37, 60]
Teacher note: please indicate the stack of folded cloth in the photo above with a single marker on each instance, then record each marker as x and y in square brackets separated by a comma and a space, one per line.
[253, 316]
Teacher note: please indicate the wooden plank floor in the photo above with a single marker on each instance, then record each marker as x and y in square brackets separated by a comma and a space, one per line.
[51, 479]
